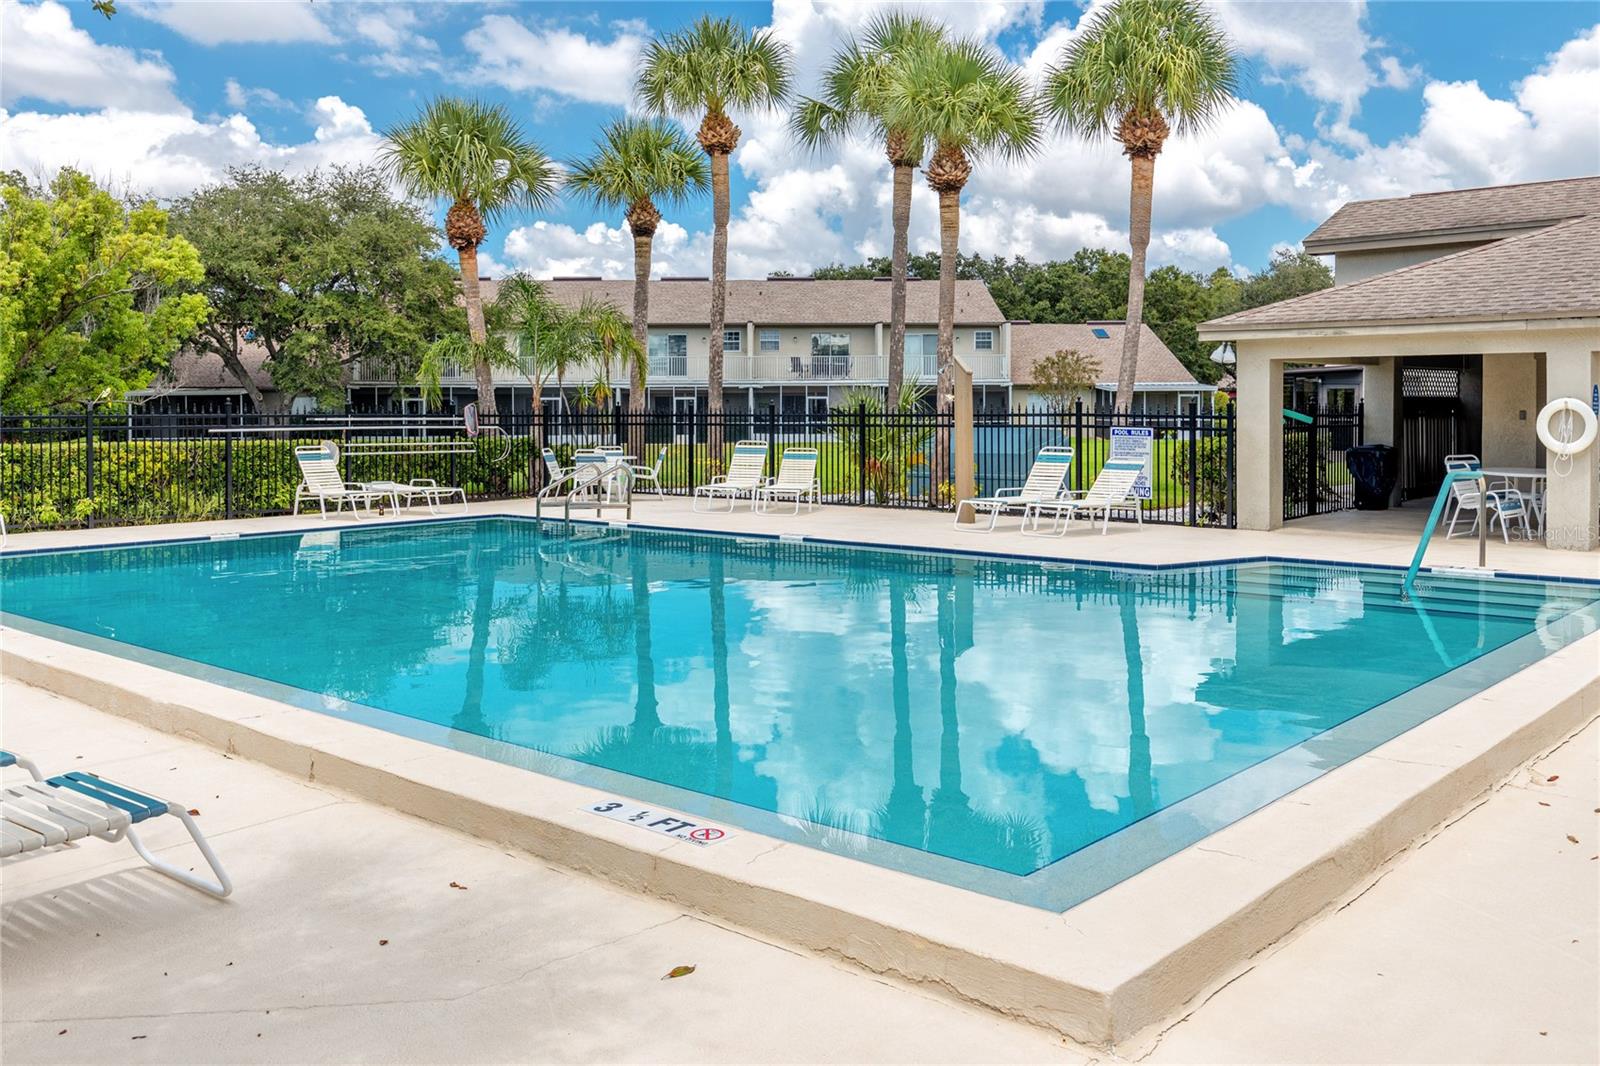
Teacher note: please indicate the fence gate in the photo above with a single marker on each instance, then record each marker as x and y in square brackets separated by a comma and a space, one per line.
[1316, 479]
[1433, 424]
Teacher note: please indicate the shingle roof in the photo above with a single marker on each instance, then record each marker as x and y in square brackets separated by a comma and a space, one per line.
[1034, 341]
[782, 303]
[1550, 273]
[1462, 211]
[190, 369]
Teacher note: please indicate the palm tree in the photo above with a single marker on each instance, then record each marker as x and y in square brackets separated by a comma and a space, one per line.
[967, 102]
[1141, 70]
[612, 336]
[856, 96]
[477, 157]
[702, 71]
[637, 164]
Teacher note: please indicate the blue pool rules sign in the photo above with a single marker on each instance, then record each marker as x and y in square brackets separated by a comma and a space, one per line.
[1135, 444]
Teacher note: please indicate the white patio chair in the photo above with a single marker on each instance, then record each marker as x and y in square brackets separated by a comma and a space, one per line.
[436, 496]
[319, 467]
[796, 481]
[552, 466]
[744, 477]
[1466, 495]
[651, 475]
[1047, 478]
[71, 806]
[1112, 488]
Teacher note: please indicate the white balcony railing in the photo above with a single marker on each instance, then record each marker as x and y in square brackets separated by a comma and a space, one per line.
[750, 369]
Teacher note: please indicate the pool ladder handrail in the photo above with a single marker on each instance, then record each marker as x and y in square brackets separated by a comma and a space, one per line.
[1439, 501]
[588, 476]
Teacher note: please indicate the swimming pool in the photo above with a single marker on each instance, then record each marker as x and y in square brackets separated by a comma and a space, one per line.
[1036, 731]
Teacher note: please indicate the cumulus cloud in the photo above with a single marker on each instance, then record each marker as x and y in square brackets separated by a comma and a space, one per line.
[241, 97]
[47, 58]
[555, 60]
[169, 154]
[393, 30]
[213, 22]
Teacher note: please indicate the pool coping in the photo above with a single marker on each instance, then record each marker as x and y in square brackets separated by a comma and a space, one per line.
[1105, 973]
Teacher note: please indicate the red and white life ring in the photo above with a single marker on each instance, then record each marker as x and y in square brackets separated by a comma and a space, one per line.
[1559, 414]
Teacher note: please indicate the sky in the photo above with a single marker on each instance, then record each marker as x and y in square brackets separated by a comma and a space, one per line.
[1341, 100]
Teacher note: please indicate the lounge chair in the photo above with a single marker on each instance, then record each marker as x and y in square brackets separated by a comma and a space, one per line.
[1046, 479]
[1503, 501]
[426, 489]
[1112, 488]
[71, 806]
[650, 475]
[743, 478]
[319, 467]
[796, 481]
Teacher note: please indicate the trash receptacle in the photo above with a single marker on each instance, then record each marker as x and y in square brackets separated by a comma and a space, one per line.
[1375, 468]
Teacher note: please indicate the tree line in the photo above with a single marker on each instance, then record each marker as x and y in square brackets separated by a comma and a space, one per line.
[1137, 72]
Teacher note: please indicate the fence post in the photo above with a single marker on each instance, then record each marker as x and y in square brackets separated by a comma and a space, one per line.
[1194, 462]
[1313, 461]
[88, 458]
[861, 455]
[1078, 458]
[1233, 509]
[772, 429]
[227, 468]
[1361, 421]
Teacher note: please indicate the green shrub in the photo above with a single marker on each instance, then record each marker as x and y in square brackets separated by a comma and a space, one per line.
[44, 485]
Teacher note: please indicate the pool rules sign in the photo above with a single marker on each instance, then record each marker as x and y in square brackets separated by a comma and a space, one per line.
[1135, 444]
[667, 824]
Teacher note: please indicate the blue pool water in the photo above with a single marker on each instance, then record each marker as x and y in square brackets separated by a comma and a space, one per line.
[1033, 731]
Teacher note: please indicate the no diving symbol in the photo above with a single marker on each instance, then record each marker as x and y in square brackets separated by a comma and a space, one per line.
[706, 834]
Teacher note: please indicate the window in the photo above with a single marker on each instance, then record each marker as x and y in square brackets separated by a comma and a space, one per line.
[669, 355]
[732, 340]
[830, 355]
[1102, 334]
[922, 355]
[983, 340]
[769, 340]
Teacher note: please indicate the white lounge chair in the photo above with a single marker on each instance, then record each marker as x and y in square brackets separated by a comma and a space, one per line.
[796, 481]
[1046, 480]
[436, 496]
[1112, 488]
[71, 806]
[745, 475]
[650, 475]
[1503, 502]
[319, 467]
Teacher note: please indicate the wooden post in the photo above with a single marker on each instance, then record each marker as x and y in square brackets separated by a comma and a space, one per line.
[961, 434]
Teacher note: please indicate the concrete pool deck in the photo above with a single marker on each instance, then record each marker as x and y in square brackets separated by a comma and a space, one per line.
[1111, 972]
[1482, 946]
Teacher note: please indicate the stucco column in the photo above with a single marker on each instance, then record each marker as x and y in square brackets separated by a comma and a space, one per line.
[1572, 499]
[1511, 401]
[1259, 425]
[1380, 405]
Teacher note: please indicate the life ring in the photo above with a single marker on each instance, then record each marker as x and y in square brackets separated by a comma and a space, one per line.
[1566, 449]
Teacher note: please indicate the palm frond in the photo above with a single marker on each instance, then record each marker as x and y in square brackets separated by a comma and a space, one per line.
[640, 159]
[712, 65]
[962, 95]
[461, 149]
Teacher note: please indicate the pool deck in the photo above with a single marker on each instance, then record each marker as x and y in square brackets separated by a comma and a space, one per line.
[1116, 971]
[1483, 946]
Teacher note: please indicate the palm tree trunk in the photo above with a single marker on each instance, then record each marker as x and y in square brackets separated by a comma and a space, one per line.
[646, 719]
[949, 245]
[641, 319]
[471, 718]
[476, 330]
[720, 702]
[906, 810]
[719, 302]
[900, 216]
[1141, 786]
[1143, 188]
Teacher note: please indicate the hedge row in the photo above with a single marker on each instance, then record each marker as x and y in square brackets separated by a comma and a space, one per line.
[47, 485]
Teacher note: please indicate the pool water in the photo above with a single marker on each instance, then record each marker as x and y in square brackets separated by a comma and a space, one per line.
[970, 718]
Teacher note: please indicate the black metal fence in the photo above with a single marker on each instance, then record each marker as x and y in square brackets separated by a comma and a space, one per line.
[1316, 479]
[103, 468]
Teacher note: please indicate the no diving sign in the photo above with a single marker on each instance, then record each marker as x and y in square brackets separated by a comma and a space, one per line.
[672, 825]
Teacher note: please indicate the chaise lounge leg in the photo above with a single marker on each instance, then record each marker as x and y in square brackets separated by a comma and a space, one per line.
[220, 888]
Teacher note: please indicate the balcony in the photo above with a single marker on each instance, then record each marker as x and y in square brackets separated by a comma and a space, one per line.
[986, 367]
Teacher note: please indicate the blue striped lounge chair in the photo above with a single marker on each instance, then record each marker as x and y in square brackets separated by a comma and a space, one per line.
[744, 477]
[796, 481]
[71, 806]
[1046, 480]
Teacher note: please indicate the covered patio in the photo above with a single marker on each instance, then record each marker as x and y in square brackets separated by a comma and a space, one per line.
[1523, 313]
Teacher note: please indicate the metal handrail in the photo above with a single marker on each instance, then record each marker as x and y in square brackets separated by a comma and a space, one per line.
[584, 476]
[1450, 478]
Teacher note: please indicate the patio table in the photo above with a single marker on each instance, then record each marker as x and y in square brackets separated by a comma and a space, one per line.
[1533, 475]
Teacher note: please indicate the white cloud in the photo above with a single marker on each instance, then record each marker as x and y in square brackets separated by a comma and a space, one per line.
[46, 57]
[169, 154]
[1397, 75]
[240, 97]
[393, 30]
[555, 60]
[213, 22]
